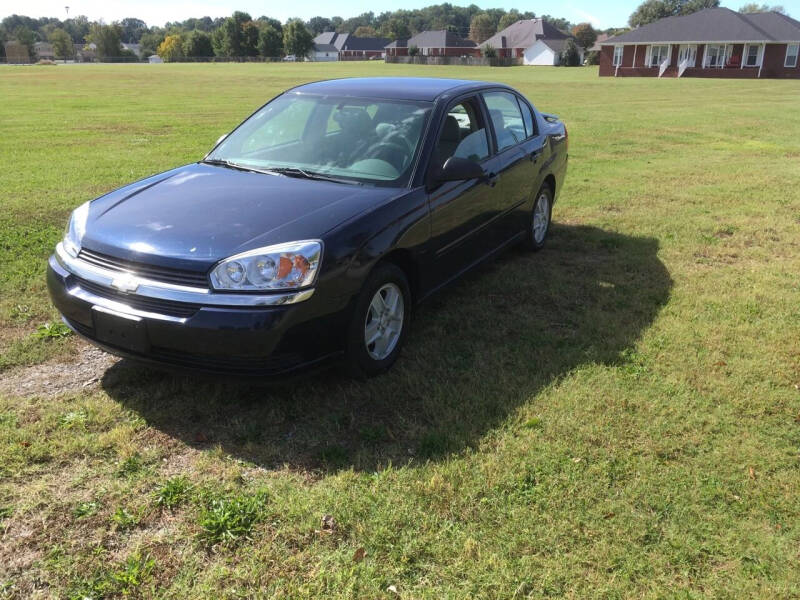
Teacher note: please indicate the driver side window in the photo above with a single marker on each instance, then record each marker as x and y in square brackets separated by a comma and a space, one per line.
[463, 134]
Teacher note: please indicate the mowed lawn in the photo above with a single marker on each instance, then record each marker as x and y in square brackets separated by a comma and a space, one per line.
[617, 416]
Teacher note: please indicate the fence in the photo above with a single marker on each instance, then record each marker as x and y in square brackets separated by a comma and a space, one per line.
[469, 61]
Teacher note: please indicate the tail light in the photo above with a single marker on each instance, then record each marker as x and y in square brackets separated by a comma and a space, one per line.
[566, 137]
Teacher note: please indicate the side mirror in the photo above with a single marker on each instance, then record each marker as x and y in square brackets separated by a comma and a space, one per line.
[460, 169]
[222, 137]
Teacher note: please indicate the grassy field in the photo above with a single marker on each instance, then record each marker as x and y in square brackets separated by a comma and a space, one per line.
[617, 416]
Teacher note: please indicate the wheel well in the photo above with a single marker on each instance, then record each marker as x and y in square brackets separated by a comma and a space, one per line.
[404, 259]
[551, 182]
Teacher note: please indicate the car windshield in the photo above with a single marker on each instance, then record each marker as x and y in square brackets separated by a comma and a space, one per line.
[353, 140]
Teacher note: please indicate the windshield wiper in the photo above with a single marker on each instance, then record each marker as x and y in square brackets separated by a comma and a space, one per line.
[303, 173]
[228, 164]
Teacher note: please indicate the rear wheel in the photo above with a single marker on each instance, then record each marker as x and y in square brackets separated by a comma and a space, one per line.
[539, 225]
[379, 324]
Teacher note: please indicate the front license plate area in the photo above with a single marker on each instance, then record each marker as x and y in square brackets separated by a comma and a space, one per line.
[126, 332]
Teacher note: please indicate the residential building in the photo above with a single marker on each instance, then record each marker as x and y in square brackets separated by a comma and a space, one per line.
[715, 42]
[535, 41]
[351, 47]
[434, 43]
[44, 51]
[324, 53]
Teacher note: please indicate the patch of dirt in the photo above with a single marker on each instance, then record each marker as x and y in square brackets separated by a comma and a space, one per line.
[52, 378]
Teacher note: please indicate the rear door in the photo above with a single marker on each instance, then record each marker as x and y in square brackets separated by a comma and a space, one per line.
[517, 161]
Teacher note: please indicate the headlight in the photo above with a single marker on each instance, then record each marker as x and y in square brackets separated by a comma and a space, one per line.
[76, 228]
[290, 265]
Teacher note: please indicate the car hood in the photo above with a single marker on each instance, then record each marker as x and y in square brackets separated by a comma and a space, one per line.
[193, 216]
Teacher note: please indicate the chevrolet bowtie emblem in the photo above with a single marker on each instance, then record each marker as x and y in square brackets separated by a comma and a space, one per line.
[125, 283]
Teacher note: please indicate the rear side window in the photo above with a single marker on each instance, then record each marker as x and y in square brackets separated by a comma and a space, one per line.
[527, 116]
[506, 118]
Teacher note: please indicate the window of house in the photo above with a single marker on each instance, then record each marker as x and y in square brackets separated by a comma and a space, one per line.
[658, 54]
[716, 56]
[618, 55]
[792, 50]
[509, 128]
[751, 56]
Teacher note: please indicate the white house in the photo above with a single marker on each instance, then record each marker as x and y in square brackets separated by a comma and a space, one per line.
[535, 41]
[324, 53]
[547, 53]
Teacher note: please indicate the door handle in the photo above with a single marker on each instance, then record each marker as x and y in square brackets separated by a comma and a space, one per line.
[491, 179]
[534, 156]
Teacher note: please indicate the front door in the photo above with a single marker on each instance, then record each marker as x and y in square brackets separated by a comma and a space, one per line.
[687, 53]
[460, 210]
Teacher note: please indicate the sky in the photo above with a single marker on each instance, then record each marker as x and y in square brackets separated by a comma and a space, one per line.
[603, 14]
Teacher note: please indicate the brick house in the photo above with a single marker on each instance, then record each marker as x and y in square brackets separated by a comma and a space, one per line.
[351, 47]
[715, 42]
[434, 43]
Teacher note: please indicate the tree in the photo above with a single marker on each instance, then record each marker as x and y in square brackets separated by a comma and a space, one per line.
[237, 36]
[757, 8]
[197, 45]
[489, 52]
[557, 22]
[297, 39]
[585, 35]
[571, 57]
[508, 19]
[106, 38]
[62, 44]
[132, 30]
[396, 29]
[365, 31]
[270, 41]
[318, 25]
[26, 38]
[413, 50]
[653, 10]
[151, 40]
[250, 32]
[481, 28]
[171, 49]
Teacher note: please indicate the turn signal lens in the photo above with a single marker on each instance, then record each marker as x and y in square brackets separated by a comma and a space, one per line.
[283, 266]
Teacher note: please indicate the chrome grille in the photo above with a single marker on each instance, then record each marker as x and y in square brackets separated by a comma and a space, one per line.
[155, 273]
[147, 304]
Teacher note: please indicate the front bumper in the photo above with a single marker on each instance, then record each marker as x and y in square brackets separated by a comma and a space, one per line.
[192, 328]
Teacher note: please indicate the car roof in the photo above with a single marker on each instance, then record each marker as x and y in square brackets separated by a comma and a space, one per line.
[399, 88]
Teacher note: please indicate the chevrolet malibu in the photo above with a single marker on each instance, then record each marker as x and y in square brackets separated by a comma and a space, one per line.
[313, 228]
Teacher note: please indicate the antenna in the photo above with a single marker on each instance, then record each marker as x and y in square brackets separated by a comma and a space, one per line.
[66, 8]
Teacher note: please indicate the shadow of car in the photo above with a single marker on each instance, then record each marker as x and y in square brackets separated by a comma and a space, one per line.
[478, 351]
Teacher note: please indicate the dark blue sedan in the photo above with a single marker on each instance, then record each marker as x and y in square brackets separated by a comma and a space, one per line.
[312, 229]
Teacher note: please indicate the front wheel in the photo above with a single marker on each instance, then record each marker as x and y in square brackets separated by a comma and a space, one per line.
[539, 225]
[380, 322]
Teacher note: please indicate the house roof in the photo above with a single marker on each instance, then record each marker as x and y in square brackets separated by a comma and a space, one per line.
[600, 39]
[523, 34]
[325, 48]
[439, 39]
[714, 25]
[397, 44]
[347, 41]
[557, 45]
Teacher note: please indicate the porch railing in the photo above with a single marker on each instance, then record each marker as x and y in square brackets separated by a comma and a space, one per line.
[683, 66]
[664, 66]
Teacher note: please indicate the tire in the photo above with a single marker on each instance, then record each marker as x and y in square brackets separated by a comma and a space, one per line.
[373, 317]
[536, 238]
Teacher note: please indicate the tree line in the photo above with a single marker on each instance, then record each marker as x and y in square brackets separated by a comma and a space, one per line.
[240, 35]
